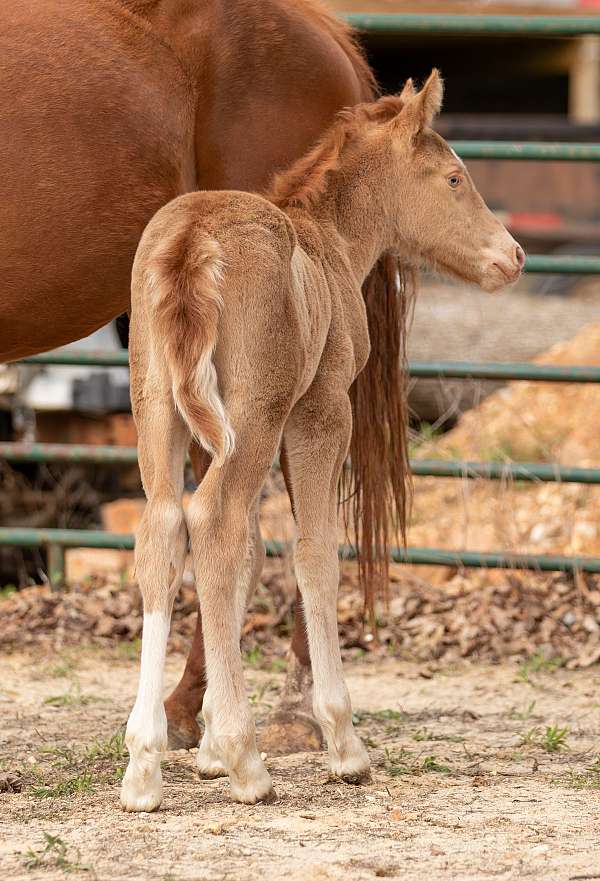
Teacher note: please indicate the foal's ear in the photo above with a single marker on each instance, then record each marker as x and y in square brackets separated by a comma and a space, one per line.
[408, 91]
[421, 108]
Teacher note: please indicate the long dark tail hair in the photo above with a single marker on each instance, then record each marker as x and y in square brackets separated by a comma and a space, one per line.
[376, 486]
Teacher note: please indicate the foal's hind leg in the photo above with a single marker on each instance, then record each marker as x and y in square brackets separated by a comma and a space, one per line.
[317, 436]
[292, 727]
[219, 522]
[161, 546]
[185, 702]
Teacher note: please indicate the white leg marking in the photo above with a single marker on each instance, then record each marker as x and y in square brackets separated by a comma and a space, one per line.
[146, 736]
[317, 572]
[208, 760]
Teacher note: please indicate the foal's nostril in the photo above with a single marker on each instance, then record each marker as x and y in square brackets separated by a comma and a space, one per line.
[520, 255]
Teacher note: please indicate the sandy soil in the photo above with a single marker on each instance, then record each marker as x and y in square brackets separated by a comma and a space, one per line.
[464, 786]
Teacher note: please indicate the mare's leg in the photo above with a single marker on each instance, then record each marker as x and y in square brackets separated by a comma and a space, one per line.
[316, 436]
[221, 524]
[161, 547]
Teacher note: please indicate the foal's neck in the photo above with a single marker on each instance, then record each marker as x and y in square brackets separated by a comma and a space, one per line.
[356, 203]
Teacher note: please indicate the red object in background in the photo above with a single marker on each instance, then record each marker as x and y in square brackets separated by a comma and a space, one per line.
[533, 220]
[589, 4]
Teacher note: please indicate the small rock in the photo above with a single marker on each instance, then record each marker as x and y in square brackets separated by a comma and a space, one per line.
[105, 626]
[10, 782]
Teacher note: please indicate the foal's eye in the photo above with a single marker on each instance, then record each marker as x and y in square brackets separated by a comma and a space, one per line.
[454, 181]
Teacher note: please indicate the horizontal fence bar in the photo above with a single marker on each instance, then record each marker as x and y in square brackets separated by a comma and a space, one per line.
[71, 453]
[568, 265]
[527, 150]
[89, 538]
[103, 455]
[495, 560]
[489, 25]
[68, 538]
[528, 471]
[80, 358]
[503, 370]
[454, 369]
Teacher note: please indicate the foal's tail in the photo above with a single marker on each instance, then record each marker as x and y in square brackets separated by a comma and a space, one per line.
[184, 272]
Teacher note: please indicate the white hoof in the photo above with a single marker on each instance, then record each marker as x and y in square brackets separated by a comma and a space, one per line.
[253, 784]
[208, 761]
[141, 791]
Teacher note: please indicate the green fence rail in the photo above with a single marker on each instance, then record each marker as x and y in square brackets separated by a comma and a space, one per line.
[529, 150]
[79, 358]
[84, 454]
[481, 25]
[527, 471]
[503, 370]
[90, 538]
[89, 454]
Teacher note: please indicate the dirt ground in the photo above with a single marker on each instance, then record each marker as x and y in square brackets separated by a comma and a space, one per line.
[473, 778]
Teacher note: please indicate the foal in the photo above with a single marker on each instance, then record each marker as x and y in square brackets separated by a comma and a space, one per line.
[248, 328]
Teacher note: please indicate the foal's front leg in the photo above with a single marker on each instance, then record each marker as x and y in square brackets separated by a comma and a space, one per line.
[317, 436]
[208, 759]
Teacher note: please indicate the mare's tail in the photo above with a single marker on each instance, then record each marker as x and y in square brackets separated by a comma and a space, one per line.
[184, 273]
[376, 484]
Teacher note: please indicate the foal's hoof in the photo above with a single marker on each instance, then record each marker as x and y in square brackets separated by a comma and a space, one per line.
[353, 779]
[354, 768]
[286, 731]
[251, 795]
[208, 763]
[141, 791]
[183, 733]
[269, 798]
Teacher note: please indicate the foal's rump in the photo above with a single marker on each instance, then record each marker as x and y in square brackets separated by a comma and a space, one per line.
[181, 273]
[201, 254]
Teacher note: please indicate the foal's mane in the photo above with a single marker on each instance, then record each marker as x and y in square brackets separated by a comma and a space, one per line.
[305, 181]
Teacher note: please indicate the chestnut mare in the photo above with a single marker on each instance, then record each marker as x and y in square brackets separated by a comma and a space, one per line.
[249, 326]
[111, 108]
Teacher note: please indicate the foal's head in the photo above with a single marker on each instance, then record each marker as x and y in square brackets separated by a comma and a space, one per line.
[438, 216]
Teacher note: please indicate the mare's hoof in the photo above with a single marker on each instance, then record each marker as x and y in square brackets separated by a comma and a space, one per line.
[286, 731]
[183, 734]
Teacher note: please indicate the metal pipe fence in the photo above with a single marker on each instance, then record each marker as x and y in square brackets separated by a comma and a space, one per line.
[476, 25]
[90, 454]
[57, 539]
[550, 26]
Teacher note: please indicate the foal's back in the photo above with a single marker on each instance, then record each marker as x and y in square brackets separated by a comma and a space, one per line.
[231, 262]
